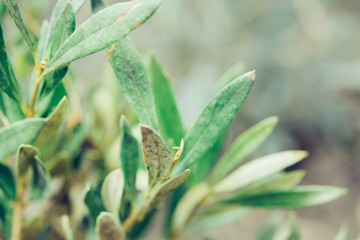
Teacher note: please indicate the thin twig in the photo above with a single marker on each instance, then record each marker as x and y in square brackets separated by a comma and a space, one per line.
[39, 77]
[18, 211]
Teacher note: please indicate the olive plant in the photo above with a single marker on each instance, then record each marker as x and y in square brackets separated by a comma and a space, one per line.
[55, 182]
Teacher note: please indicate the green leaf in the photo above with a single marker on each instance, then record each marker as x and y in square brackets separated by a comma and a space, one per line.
[63, 13]
[186, 206]
[171, 126]
[97, 5]
[77, 4]
[294, 228]
[8, 83]
[157, 158]
[112, 191]
[2, 10]
[258, 169]
[41, 45]
[108, 228]
[28, 157]
[6, 214]
[217, 216]
[280, 181]
[52, 80]
[53, 123]
[11, 108]
[7, 181]
[342, 234]
[41, 179]
[269, 228]
[280, 227]
[21, 132]
[102, 30]
[301, 196]
[62, 25]
[50, 101]
[63, 28]
[14, 12]
[131, 73]
[206, 163]
[25, 156]
[214, 119]
[93, 201]
[243, 146]
[129, 154]
[66, 227]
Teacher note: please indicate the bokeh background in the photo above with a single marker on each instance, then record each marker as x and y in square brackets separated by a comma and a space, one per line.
[307, 59]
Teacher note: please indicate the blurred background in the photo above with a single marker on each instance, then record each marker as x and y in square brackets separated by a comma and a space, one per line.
[307, 59]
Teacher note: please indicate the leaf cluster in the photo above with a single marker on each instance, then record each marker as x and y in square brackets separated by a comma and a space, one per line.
[65, 156]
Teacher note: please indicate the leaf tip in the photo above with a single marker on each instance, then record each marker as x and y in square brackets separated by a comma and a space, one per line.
[301, 154]
[251, 75]
[273, 119]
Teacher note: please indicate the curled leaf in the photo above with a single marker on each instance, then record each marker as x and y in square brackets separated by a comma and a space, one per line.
[108, 228]
[157, 158]
[112, 191]
[258, 169]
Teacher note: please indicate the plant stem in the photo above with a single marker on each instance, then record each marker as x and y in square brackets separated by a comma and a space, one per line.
[130, 221]
[39, 77]
[18, 211]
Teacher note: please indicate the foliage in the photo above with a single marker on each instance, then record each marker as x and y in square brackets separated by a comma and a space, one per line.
[62, 153]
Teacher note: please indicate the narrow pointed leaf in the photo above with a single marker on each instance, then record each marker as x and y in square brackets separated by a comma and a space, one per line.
[218, 216]
[157, 158]
[66, 227]
[342, 234]
[93, 202]
[41, 45]
[112, 191]
[77, 4]
[8, 83]
[243, 146]
[258, 169]
[7, 181]
[301, 196]
[206, 163]
[129, 154]
[281, 181]
[21, 132]
[25, 156]
[170, 123]
[14, 12]
[187, 205]
[269, 228]
[64, 26]
[131, 73]
[41, 179]
[52, 80]
[12, 108]
[108, 228]
[103, 29]
[6, 213]
[2, 10]
[294, 228]
[214, 119]
[28, 157]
